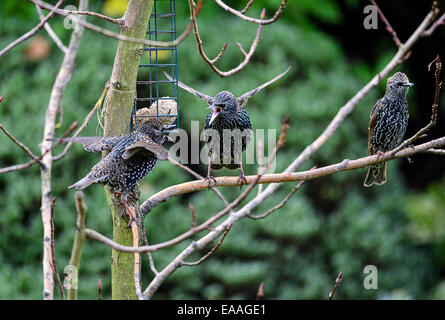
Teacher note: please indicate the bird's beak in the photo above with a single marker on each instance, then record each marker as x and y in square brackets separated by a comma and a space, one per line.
[408, 84]
[216, 111]
[168, 127]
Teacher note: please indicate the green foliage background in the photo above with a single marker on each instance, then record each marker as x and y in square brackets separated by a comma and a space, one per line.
[331, 224]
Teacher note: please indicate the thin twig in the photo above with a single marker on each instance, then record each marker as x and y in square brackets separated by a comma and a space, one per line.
[247, 6]
[211, 62]
[62, 79]
[33, 31]
[20, 144]
[38, 159]
[118, 21]
[99, 287]
[137, 256]
[261, 21]
[433, 27]
[53, 254]
[193, 212]
[51, 32]
[440, 152]
[278, 206]
[150, 256]
[195, 263]
[260, 293]
[115, 35]
[79, 239]
[388, 25]
[336, 285]
[85, 122]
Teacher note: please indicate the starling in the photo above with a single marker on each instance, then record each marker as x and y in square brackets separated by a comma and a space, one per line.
[131, 157]
[227, 113]
[387, 127]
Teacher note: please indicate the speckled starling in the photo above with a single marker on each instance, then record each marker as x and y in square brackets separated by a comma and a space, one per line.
[387, 127]
[227, 113]
[131, 157]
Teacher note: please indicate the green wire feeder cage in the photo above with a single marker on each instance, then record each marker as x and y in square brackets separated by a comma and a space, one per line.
[155, 97]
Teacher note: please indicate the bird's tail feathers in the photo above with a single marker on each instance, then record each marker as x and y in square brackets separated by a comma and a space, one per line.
[376, 174]
[85, 182]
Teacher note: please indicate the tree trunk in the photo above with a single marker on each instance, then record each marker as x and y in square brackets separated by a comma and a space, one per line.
[118, 106]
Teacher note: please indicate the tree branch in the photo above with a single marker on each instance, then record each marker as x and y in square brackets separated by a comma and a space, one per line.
[388, 25]
[59, 86]
[51, 32]
[33, 31]
[262, 21]
[211, 62]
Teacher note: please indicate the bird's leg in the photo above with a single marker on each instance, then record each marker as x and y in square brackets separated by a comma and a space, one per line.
[242, 178]
[379, 154]
[209, 177]
[123, 197]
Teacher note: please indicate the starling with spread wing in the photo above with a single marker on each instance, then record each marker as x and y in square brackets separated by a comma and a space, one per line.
[227, 115]
[131, 157]
[387, 127]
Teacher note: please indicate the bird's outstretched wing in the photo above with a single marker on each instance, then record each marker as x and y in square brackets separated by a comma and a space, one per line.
[242, 100]
[140, 146]
[203, 96]
[93, 144]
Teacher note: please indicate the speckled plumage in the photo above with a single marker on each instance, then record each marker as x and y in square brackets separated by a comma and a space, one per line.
[387, 126]
[231, 117]
[227, 113]
[130, 159]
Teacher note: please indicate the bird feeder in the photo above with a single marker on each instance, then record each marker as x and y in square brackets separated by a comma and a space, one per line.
[155, 97]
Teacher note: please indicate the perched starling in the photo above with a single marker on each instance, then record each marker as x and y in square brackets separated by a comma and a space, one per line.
[227, 113]
[131, 157]
[387, 127]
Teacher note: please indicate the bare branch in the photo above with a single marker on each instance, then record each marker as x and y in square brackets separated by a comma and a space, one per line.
[79, 239]
[260, 293]
[85, 122]
[388, 25]
[20, 144]
[115, 35]
[53, 255]
[193, 212]
[33, 31]
[440, 152]
[278, 206]
[210, 252]
[59, 86]
[337, 284]
[247, 6]
[211, 62]
[193, 186]
[51, 32]
[119, 21]
[262, 21]
[137, 257]
[38, 159]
